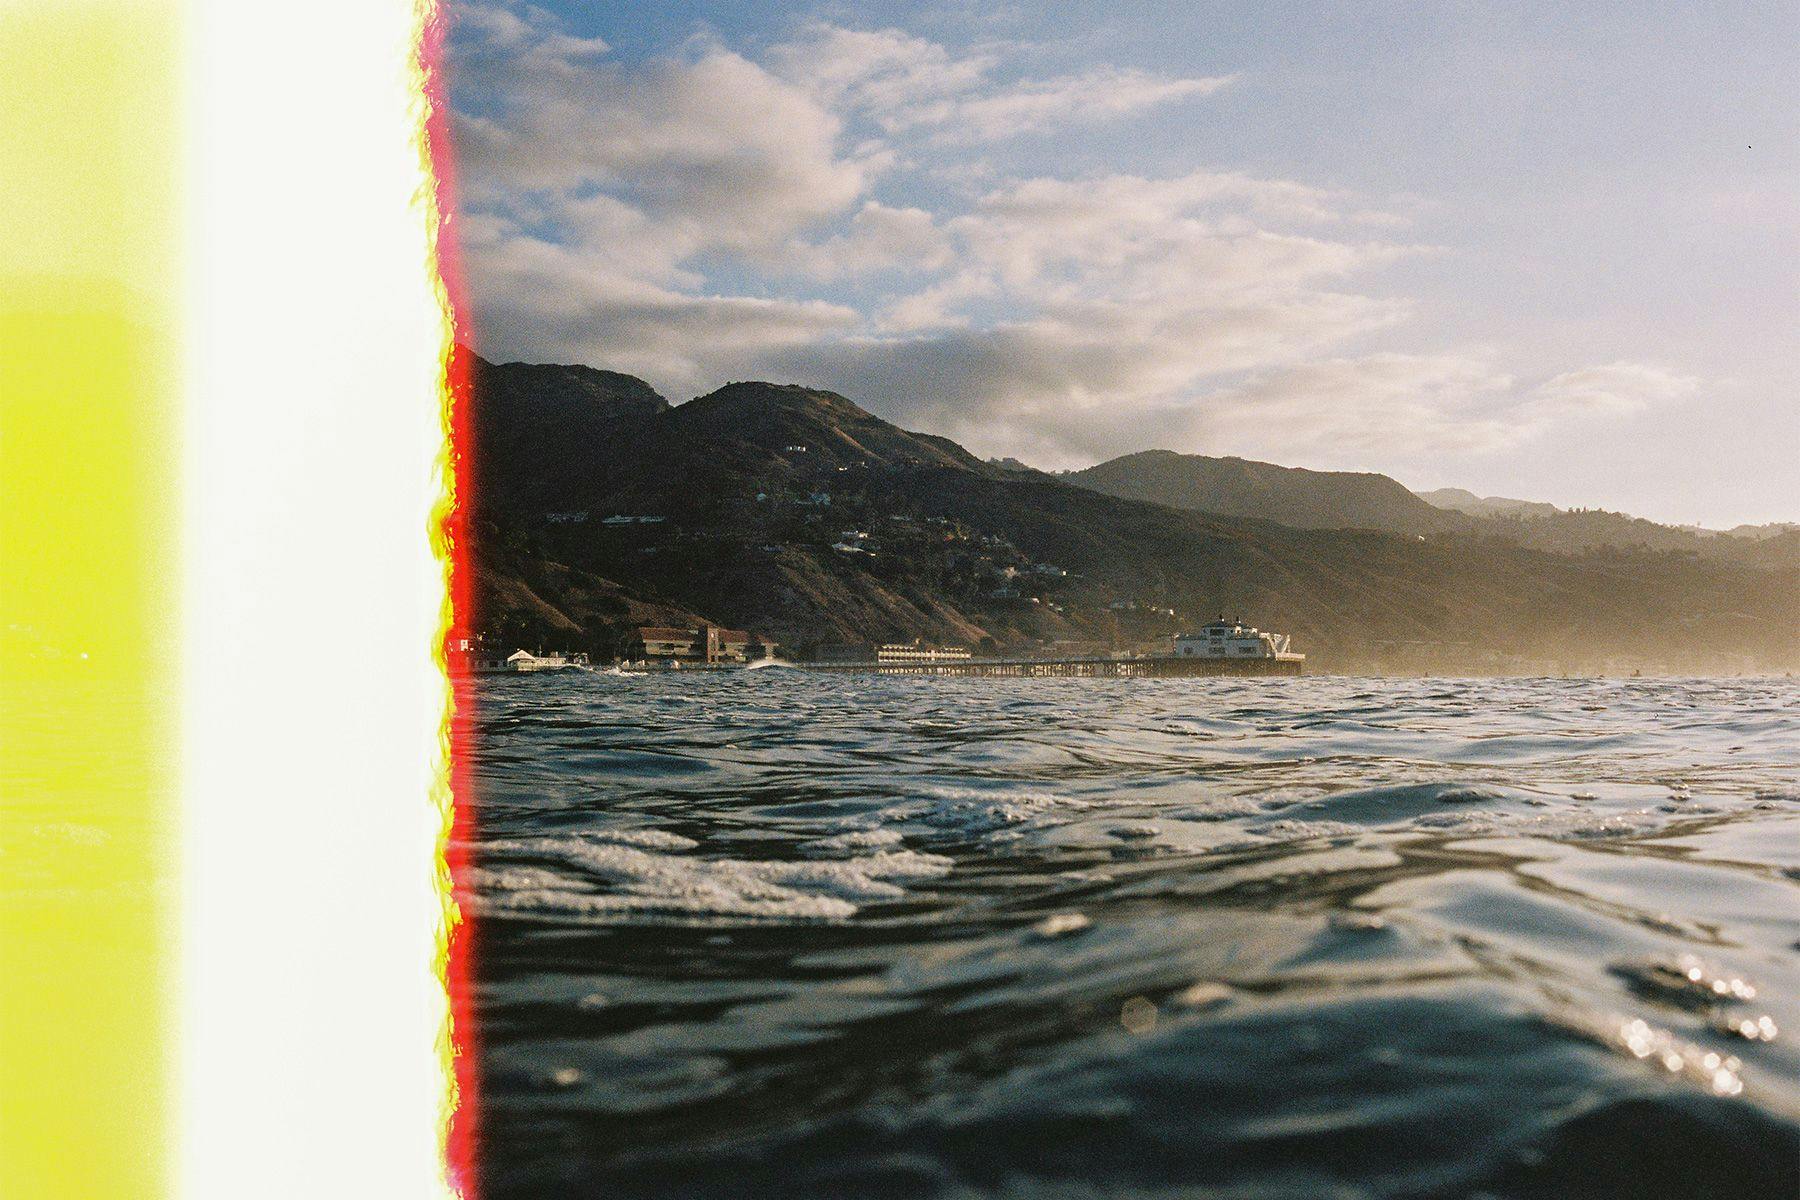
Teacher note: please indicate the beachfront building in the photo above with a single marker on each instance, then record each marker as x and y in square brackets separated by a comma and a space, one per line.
[661, 641]
[707, 643]
[474, 656]
[525, 660]
[1230, 639]
[917, 651]
[733, 645]
[479, 656]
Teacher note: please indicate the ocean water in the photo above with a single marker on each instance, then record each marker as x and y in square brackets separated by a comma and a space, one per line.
[777, 934]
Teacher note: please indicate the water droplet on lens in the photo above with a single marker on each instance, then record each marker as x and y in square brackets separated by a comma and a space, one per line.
[1137, 1015]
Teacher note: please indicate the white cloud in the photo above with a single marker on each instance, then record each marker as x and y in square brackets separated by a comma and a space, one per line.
[879, 238]
[902, 82]
[1615, 388]
[718, 152]
[935, 307]
[589, 188]
[1039, 104]
[1152, 238]
[703, 217]
[885, 72]
[540, 301]
[1348, 409]
[496, 30]
[1074, 380]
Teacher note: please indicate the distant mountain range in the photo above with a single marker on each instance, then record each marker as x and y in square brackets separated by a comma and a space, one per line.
[1353, 500]
[1239, 487]
[1463, 501]
[797, 514]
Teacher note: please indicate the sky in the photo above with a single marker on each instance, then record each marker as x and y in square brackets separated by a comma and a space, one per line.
[1548, 251]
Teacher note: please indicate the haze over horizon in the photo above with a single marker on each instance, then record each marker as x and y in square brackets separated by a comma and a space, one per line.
[1520, 251]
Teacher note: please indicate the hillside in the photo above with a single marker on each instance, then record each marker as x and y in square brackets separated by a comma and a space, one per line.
[538, 426]
[1242, 487]
[796, 513]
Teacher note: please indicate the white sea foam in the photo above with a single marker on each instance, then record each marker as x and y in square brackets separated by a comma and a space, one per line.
[597, 878]
[954, 812]
[1226, 808]
[642, 839]
[974, 812]
[1578, 826]
[849, 843]
[1060, 925]
[1291, 829]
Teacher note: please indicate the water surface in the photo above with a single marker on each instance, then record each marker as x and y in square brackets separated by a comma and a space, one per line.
[771, 933]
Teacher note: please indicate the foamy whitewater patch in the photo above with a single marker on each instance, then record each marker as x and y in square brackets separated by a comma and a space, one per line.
[1557, 826]
[850, 843]
[974, 813]
[1291, 829]
[642, 839]
[597, 877]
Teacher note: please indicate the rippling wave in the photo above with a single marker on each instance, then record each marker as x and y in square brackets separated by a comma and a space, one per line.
[771, 933]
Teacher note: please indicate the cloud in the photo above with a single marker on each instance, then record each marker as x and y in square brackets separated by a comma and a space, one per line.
[1154, 237]
[1349, 409]
[590, 187]
[1615, 388]
[716, 151]
[496, 32]
[823, 213]
[880, 238]
[902, 82]
[885, 72]
[1076, 380]
[539, 301]
[1092, 96]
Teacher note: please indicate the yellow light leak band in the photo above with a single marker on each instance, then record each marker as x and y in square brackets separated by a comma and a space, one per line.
[89, 309]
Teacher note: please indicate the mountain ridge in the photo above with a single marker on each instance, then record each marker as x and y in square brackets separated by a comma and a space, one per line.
[1295, 496]
[1464, 501]
[795, 512]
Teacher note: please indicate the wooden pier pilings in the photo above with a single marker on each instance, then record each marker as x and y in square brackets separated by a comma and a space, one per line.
[1071, 668]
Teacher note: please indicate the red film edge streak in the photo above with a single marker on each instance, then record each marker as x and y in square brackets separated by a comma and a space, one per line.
[459, 1043]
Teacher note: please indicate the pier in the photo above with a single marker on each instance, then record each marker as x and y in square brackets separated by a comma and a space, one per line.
[1078, 668]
